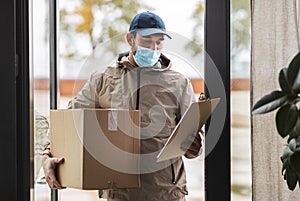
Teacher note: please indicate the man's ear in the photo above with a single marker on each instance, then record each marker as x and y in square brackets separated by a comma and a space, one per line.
[129, 39]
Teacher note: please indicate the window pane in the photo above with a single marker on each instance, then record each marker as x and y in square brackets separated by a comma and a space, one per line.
[240, 101]
[39, 44]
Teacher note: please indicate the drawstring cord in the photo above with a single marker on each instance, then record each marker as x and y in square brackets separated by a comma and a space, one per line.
[173, 173]
[138, 80]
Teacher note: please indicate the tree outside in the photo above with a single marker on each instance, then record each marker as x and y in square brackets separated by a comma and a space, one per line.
[84, 24]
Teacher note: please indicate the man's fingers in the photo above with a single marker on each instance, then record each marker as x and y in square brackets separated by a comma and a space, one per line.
[192, 146]
[49, 170]
[189, 155]
[53, 183]
[191, 141]
[59, 160]
[185, 145]
[57, 185]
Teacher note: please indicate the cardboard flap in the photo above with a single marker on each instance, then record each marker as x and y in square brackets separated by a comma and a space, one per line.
[66, 141]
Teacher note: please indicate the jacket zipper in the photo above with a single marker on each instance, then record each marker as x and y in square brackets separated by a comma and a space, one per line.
[137, 107]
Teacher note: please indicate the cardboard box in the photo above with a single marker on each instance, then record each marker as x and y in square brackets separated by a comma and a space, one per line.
[100, 146]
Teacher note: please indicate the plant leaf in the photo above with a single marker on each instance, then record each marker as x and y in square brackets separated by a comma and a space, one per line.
[286, 119]
[295, 162]
[286, 153]
[269, 102]
[284, 84]
[285, 175]
[285, 164]
[296, 131]
[291, 178]
[292, 145]
[293, 73]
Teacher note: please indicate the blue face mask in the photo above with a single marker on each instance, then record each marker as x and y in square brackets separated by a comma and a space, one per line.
[145, 57]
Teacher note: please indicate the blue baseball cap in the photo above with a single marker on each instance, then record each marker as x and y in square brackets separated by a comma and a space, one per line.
[147, 23]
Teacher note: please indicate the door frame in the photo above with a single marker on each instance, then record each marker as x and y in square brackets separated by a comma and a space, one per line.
[217, 48]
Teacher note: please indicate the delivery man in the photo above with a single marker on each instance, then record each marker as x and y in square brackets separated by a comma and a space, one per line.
[142, 79]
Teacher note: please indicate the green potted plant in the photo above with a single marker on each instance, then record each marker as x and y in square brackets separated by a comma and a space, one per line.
[287, 118]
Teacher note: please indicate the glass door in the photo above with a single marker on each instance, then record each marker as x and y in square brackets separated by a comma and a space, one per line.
[87, 37]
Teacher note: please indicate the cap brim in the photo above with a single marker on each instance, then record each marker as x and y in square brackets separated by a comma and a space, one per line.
[151, 31]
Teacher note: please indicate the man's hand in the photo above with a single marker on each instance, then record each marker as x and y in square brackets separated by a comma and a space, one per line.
[49, 165]
[192, 145]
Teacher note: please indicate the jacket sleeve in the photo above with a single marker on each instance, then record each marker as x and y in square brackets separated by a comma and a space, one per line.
[188, 96]
[87, 96]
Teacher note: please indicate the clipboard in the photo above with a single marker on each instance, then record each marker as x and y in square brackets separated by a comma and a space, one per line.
[192, 121]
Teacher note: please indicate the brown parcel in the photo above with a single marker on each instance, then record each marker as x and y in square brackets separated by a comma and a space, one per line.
[100, 147]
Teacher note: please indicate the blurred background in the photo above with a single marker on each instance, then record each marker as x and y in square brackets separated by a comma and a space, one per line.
[91, 33]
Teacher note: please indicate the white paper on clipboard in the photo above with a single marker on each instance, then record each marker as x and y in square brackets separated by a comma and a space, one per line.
[192, 121]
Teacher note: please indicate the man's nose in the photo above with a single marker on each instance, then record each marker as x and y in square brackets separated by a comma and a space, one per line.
[154, 46]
